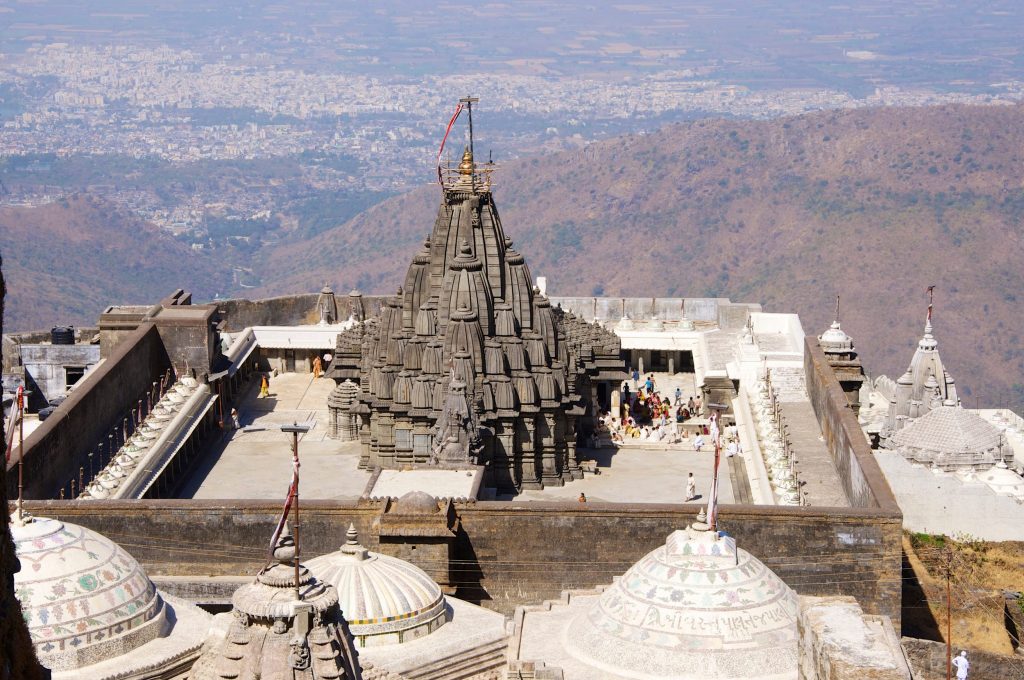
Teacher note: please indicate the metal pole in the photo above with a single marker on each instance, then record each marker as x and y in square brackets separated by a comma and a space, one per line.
[295, 508]
[949, 634]
[21, 451]
[468, 101]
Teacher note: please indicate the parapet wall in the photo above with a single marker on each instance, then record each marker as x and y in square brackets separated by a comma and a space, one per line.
[508, 554]
[863, 481]
[61, 444]
[730, 315]
[287, 310]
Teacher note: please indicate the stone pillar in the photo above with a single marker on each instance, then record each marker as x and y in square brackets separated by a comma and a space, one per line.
[385, 431]
[551, 468]
[616, 400]
[503, 463]
[365, 442]
[526, 433]
[569, 434]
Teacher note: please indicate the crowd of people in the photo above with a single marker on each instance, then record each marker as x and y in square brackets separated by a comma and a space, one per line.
[648, 415]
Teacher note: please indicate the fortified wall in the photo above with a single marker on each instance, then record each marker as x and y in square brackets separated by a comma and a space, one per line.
[61, 444]
[507, 553]
[863, 481]
[288, 310]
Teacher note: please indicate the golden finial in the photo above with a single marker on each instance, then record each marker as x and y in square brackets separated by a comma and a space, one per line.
[466, 166]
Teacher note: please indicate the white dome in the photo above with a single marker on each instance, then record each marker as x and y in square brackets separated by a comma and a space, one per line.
[385, 599]
[696, 607]
[85, 599]
[835, 339]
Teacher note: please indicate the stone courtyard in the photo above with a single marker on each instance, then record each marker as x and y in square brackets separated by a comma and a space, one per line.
[255, 461]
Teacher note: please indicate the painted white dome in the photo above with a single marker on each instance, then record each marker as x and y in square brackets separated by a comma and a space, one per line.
[696, 607]
[385, 600]
[85, 599]
[835, 339]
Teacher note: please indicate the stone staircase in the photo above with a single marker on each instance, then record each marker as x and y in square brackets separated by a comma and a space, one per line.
[789, 381]
[484, 661]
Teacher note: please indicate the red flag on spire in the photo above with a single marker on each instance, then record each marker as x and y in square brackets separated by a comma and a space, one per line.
[455, 116]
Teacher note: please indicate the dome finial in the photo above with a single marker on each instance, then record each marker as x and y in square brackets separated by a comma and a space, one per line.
[352, 546]
[466, 166]
[284, 549]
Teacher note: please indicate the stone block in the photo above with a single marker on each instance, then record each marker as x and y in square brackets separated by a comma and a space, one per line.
[838, 642]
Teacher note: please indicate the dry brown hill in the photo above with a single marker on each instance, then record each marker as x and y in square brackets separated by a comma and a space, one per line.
[66, 261]
[872, 204]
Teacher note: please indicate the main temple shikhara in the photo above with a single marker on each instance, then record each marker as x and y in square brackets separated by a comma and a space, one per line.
[468, 362]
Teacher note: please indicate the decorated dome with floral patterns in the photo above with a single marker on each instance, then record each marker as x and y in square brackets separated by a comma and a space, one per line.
[695, 607]
[84, 598]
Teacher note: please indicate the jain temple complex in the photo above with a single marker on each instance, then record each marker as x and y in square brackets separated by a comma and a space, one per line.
[461, 503]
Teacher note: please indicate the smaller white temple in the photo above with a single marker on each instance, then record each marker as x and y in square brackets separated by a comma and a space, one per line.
[950, 437]
[923, 386]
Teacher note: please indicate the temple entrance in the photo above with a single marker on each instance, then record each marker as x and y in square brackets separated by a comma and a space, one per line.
[659, 360]
[603, 396]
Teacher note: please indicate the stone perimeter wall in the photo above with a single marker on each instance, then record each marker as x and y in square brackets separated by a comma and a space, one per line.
[863, 481]
[508, 554]
[287, 310]
[98, 403]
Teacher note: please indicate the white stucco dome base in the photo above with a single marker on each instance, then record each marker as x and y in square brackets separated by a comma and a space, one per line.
[694, 608]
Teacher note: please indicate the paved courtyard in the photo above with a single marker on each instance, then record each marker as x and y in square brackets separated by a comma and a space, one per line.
[639, 475]
[255, 461]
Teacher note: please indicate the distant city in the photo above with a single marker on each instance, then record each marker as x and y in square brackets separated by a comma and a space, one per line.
[351, 102]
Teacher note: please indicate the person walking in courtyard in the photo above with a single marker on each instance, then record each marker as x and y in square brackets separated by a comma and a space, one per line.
[691, 488]
[235, 421]
[698, 443]
[679, 394]
[962, 666]
[318, 367]
[264, 386]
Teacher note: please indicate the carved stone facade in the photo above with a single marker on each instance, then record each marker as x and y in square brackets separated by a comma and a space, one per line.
[470, 347]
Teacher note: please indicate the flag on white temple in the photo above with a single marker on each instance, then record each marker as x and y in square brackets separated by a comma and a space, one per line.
[287, 507]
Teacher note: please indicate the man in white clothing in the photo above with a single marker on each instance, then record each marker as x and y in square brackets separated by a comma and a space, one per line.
[962, 665]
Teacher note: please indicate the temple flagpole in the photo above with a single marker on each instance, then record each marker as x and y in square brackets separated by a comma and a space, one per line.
[716, 436]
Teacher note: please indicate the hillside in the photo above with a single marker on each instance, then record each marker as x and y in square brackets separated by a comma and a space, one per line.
[872, 204]
[66, 261]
